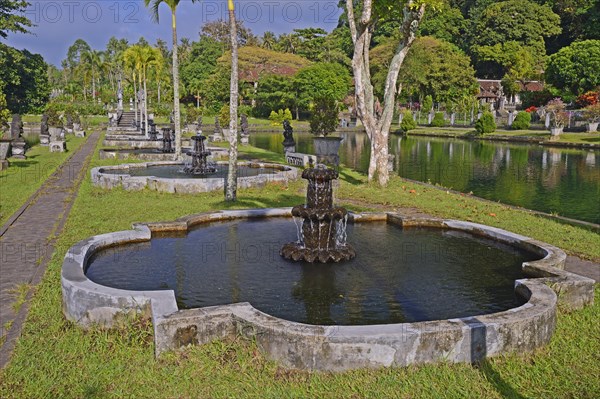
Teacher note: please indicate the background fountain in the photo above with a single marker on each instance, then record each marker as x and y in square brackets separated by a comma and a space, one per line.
[322, 236]
[200, 164]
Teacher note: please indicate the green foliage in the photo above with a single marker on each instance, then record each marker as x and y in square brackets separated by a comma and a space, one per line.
[324, 117]
[575, 68]
[201, 64]
[11, 17]
[438, 69]
[427, 103]
[438, 120]
[4, 112]
[319, 81]
[224, 116]
[485, 124]
[25, 80]
[55, 116]
[278, 117]
[408, 123]
[273, 92]
[446, 24]
[522, 121]
[506, 30]
[192, 114]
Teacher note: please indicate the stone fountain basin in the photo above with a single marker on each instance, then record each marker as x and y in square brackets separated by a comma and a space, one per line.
[102, 177]
[333, 348]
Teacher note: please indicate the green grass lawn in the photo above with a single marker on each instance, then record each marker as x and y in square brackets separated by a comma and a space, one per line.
[24, 177]
[55, 358]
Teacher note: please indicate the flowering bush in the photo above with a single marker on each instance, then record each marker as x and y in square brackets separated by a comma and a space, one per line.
[556, 108]
[531, 109]
[592, 112]
[589, 98]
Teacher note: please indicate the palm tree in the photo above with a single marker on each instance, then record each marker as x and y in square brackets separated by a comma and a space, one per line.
[91, 61]
[173, 6]
[231, 187]
[142, 57]
[268, 40]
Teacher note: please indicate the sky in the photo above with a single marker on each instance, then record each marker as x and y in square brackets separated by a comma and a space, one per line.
[59, 23]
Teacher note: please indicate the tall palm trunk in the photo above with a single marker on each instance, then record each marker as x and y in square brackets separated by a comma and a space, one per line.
[135, 107]
[176, 117]
[231, 188]
[145, 106]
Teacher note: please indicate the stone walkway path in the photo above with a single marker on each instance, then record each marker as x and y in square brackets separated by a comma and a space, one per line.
[27, 241]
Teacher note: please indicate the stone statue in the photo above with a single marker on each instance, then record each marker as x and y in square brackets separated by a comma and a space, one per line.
[18, 143]
[289, 144]
[16, 127]
[217, 126]
[244, 125]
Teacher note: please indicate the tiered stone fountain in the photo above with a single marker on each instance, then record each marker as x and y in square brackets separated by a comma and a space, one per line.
[200, 164]
[322, 235]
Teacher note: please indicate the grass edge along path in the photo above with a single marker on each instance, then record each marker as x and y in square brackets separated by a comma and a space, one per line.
[55, 358]
[23, 178]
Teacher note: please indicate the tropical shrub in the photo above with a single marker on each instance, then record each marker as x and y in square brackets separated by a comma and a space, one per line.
[408, 123]
[324, 118]
[522, 121]
[281, 115]
[438, 120]
[592, 113]
[485, 124]
[556, 108]
[224, 116]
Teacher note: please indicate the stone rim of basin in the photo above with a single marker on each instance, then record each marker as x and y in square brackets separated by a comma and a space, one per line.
[333, 348]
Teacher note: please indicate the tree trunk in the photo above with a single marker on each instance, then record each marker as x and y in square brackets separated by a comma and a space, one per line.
[158, 84]
[231, 187]
[135, 107]
[377, 124]
[93, 86]
[176, 116]
[145, 106]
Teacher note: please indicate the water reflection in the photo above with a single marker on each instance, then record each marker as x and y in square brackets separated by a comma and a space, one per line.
[553, 180]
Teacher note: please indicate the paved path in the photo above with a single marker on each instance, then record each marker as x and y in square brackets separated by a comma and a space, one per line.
[27, 240]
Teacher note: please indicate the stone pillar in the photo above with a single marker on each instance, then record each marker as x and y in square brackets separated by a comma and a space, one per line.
[511, 118]
[547, 121]
[452, 117]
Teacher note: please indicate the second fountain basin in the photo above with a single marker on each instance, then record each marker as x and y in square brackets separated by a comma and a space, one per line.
[166, 176]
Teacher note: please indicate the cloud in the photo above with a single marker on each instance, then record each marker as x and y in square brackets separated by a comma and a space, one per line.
[60, 23]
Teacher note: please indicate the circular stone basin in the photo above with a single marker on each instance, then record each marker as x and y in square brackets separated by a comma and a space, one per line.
[169, 176]
[397, 276]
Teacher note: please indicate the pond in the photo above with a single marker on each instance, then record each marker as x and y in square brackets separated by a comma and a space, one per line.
[397, 276]
[553, 180]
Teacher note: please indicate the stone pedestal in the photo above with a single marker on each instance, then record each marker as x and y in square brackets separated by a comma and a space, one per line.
[244, 139]
[18, 148]
[58, 146]
[4, 153]
[289, 147]
[44, 139]
[79, 133]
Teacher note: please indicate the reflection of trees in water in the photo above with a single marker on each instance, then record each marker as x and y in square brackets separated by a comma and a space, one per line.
[532, 176]
[318, 292]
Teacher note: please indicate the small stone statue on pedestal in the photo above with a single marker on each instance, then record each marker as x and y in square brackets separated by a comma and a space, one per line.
[18, 143]
[217, 136]
[289, 144]
[57, 140]
[44, 133]
[245, 134]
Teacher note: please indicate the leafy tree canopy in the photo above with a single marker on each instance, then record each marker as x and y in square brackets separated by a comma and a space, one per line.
[25, 80]
[432, 67]
[10, 20]
[322, 81]
[575, 68]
